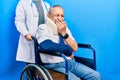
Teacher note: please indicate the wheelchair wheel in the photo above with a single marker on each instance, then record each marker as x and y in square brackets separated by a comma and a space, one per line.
[35, 72]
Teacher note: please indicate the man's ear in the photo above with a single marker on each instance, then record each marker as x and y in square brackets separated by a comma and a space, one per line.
[48, 15]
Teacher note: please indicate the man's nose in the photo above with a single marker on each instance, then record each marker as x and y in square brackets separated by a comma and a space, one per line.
[60, 18]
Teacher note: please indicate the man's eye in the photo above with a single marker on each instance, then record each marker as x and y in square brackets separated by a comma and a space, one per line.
[62, 15]
[57, 15]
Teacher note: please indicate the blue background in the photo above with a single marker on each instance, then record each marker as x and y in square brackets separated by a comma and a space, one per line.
[91, 21]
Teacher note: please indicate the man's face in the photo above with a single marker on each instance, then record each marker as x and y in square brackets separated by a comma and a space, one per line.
[56, 13]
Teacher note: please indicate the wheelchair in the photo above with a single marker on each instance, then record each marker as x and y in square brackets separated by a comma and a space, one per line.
[37, 71]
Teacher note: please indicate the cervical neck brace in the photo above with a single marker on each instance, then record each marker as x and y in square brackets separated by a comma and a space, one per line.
[52, 26]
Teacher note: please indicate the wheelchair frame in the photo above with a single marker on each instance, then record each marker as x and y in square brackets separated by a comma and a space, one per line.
[38, 72]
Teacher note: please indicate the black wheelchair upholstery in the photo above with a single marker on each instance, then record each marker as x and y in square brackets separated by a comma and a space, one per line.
[55, 75]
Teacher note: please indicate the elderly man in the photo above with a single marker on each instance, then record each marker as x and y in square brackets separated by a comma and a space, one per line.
[55, 36]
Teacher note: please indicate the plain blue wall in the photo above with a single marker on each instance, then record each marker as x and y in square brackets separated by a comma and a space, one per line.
[91, 21]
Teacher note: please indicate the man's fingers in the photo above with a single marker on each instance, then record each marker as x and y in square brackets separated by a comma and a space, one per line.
[28, 37]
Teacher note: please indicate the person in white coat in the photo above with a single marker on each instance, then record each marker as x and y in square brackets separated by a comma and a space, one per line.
[26, 21]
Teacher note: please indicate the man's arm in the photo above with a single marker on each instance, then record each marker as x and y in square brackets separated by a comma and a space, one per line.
[62, 29]
[72, 43]
[20, 19]
[50, 46]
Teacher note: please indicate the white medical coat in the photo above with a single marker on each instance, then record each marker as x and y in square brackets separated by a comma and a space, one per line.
[26, 21]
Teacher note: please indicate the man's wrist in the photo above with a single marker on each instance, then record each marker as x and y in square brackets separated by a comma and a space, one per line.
[65, 36]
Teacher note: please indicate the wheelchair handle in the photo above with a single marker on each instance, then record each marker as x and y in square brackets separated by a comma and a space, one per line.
[33, 38]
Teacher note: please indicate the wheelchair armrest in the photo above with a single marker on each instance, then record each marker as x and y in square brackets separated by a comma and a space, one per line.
[81, 45]
[51, 53]
[88, 46]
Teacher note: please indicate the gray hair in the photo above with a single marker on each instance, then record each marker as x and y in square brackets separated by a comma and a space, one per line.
[49, 12]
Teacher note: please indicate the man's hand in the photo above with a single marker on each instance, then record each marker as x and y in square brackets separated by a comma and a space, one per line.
[28, 37]
[61, 25]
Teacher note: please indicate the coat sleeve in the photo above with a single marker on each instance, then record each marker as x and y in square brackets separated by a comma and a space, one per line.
[47, 6]
[20, 18]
